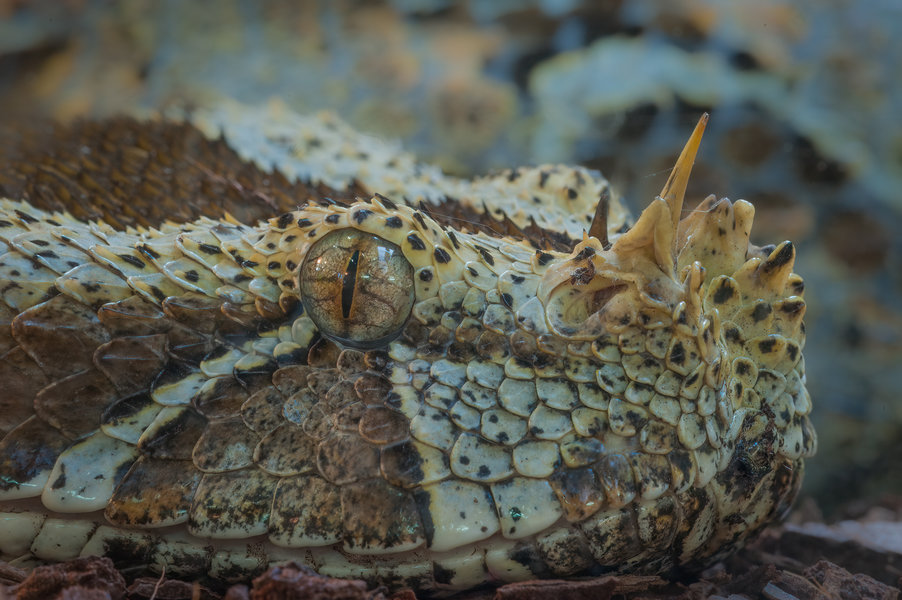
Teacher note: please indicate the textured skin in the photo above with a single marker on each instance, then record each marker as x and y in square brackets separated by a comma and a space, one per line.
[634, 406]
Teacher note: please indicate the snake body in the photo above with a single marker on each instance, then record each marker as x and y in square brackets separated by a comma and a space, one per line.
[367, 389]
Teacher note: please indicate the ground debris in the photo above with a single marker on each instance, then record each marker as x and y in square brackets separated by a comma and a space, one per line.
[601, 588]
[297, 582]
[78, 579]
[150, 588]
[860, 557]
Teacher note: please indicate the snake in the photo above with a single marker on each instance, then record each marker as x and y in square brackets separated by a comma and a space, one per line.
[383, 388]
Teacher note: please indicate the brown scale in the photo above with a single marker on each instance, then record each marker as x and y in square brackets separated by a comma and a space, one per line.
[133, 159]
[46, 164]
[456, 215]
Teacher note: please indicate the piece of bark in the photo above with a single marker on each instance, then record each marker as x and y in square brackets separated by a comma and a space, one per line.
[297, 582]
[601, 588]
[76, 578]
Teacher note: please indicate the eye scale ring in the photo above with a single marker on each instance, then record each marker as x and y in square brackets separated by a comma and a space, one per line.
[357, 288]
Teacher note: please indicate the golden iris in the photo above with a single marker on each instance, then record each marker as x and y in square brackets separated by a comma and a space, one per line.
[357, 288]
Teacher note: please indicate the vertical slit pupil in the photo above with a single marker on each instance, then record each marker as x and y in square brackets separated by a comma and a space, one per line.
[348, 283]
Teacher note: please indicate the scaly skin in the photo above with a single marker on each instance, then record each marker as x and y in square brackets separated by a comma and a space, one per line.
[472, 410]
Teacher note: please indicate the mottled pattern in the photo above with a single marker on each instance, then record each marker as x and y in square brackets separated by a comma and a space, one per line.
[634, 403]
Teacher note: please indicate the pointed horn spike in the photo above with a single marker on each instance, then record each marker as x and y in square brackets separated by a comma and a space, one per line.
[599, 227]
[675, 188]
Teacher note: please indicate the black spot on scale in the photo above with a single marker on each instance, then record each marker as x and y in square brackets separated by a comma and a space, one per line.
[328, 202]
[241, 278]
[291, 265]
[544, 258]
[249, 264]
[678, 353]
[483, 471]
[41, 243]
[333, 219]
[304, 223]
[394, 222]
[285, 220]
[132, 260]
[61, 480]
[464, 460]
[5, 223]
[571, 193]
[362, 215]
[761, 311]
[273, 265]
[419, 217]
[742, 368]
[792, 308]
[209, 249]
[311, 233]
[473, 271]
[454, 241]
[441, 574]
[426, 275]
[290, 238]
[724, 292]
[543, 178]
[145, 249]
[386, 202]
[25, 217]
[517, 279]
[192, 276]
[423, 500]
[507, 299]
[782, 257]
[486, 256]
[415, 242]
[441, 255]
[46, 254]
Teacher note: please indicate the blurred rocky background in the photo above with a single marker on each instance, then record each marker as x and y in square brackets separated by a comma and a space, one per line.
[804, 96]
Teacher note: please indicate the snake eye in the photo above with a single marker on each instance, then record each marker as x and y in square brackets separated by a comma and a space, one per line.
[357, 288]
